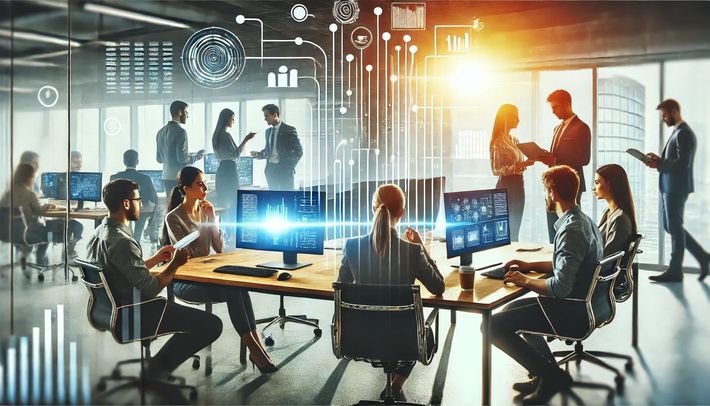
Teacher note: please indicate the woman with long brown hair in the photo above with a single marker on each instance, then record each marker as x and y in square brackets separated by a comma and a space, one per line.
[189, 211]
[382, 258]
[508, 163]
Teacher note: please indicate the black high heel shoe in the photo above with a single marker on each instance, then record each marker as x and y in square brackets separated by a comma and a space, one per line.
[267, 369]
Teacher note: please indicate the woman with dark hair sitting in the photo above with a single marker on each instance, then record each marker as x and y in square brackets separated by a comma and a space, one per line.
[618, 223]
[188, 211]
[381, 257]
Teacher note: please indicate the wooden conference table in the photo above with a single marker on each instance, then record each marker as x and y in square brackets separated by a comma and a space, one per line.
[315, 281]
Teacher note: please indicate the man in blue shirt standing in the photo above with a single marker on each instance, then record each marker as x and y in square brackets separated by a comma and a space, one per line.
[577, 248]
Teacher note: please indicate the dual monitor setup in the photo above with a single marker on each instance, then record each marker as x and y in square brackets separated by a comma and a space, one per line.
[293, 222]
[83, 186]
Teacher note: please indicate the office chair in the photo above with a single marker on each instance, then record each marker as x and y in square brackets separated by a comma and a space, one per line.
[123, 321]
[284, 318]
[383, 325]
[575, 319]
[622, 291]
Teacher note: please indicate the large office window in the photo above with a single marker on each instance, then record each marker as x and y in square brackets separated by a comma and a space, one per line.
[255, 122]
[195, 127]
[627, 118]
[150, 120]
[116, 131]
[688, 83]
[87, 129]
[297, 113]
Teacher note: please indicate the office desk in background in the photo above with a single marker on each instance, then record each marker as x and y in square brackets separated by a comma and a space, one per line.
[316, 281]
[97, 214]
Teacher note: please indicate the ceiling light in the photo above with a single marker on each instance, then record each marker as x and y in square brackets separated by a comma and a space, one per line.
[31, 36]
[132, 15]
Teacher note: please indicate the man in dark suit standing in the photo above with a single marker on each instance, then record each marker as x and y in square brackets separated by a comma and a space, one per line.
[571, 145]
[145, 185]
[675, 182]
[283, 150]
[171, 142]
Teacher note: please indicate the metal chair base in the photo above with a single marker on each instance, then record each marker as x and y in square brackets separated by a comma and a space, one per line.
[282, 319]
[578, 355]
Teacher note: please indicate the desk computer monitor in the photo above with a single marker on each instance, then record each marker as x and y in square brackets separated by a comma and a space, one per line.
[211, 164]
[245, 170]
[85, 186]
[475, 220]
[156, 176]
[288, 221]
[50, 184]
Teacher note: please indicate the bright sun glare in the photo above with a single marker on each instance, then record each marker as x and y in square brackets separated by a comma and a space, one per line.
[470, 76]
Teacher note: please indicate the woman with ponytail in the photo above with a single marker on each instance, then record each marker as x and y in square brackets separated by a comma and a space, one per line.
[382, 258]
[227, 151]
[188, 211]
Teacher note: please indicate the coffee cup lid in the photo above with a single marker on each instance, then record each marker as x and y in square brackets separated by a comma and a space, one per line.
[467, 269]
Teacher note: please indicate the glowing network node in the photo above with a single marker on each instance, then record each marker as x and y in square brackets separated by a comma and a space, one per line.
[333, 27]
[346, 11]
[343, 109]
[407, 38]
[377, 151]
[112, 126]
[351, 162]
[349, 57]
[213, 57]
[377, 11]
[240, 19]
[349, 92]
[386, 36]
[397, 48]
[413, 49]
[298, 41]
[415, 108]
[393, 78]
[299, 13]
[368, 68]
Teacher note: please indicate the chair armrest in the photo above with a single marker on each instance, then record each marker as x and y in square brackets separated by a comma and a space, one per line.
[92, 285]
[609, 277]
[432, 317]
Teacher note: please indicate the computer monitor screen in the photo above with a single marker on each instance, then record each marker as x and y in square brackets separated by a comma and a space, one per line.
[476, 220]
[85, 186]
[50, 184]
[245, 170]
[288, 221]
[211, 164]
[156, 176]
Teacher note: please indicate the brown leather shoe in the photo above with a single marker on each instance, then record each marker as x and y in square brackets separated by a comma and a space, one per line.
[527, 387]
[667, 276]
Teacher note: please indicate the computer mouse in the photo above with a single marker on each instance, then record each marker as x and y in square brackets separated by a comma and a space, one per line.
[283, 276]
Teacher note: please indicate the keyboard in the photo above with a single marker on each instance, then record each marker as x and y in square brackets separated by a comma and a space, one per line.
[496, 273]
[245, 271]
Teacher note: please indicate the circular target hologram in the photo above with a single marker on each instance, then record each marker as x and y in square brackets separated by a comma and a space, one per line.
[346, 11]
[47, 96]
[213, 58]
[112, 126]
[299, 13]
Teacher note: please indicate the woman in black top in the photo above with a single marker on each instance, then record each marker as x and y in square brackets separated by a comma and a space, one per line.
[226, 150]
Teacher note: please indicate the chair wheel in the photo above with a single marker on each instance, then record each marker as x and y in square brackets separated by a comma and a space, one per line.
[629, 366]
[40, 277]
[101, 386]
[619, 383]
[317, 332]
[208, 371]
[195, 364]
[269, 341]
[116, 373]
[74, 278]
[193, 395]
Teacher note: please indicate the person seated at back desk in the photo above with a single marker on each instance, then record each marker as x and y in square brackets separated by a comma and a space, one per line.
[618, 223]
[189, 211]
[113, 248]
[37, 232]
[577, 249]
[145, 185]
[381, 257]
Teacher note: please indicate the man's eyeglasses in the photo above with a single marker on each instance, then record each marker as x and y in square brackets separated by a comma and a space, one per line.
[139, 199]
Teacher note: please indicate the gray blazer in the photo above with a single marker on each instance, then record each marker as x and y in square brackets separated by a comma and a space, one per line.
[676, 167]
[404, 264]
[172, 151]
[615, 228]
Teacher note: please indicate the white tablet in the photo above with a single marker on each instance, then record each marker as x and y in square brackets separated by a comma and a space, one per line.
[186, 240]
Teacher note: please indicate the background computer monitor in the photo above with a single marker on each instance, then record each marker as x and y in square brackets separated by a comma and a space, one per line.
[85, 186]
[50, 184]
[245, 170]
[211, 164]
[476, 220]
[156, 176]
[288, 221]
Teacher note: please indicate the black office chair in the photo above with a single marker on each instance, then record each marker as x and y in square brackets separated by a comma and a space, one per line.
[575, 319]
[623, 290]
[383, 325]
[105, 315]
[284, 318]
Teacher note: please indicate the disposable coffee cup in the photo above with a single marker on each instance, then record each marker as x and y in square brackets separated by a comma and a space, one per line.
[467, 274]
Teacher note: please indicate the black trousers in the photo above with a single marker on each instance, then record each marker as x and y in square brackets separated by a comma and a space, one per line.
[238, 301]
[530, 351]
[673, 208]
[193, 330]
[516, 201]
[279, 176]
[40, 234]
